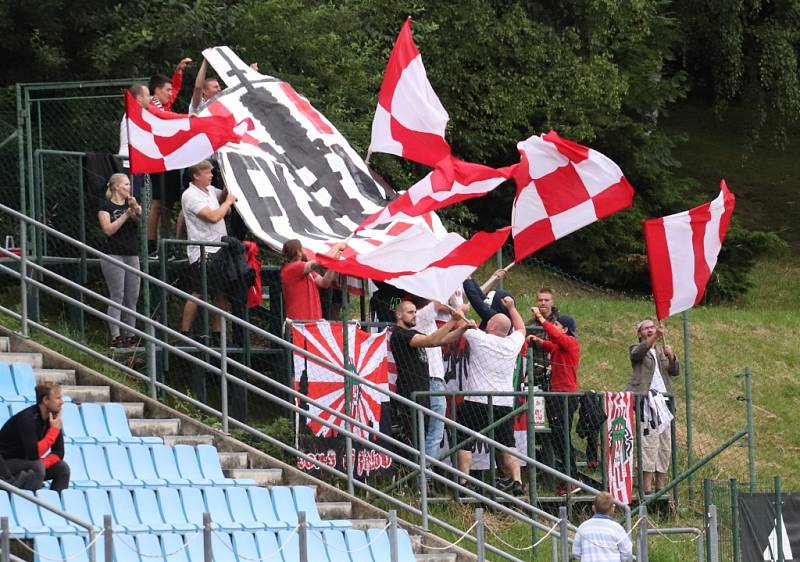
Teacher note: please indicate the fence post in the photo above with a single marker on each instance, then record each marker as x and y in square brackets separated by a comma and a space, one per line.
[735, 519]
[5, 539]
[92, 548]
[23, 275]
[423, 484]
[642, 542]
[108, 536]
[206, 537]
[348, 394]
[303, 536]
[223, 367]
[480, 539]
[563, 533]
[687, 383]
[531, 439]
[639, 434]
[779, 530]
[751, 439]
[707, 515]
[393, 557]
[713, 534]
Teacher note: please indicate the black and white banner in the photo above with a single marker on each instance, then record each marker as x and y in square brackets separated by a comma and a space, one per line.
[294, 174]
[759, 536]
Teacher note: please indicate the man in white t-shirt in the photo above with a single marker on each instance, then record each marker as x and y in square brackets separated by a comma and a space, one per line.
[601, 539]
[492, 359]
[204, 207]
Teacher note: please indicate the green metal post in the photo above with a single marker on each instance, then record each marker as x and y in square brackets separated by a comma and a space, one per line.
[734, 489]
[779, 530]
[453, 439]
[674, 452]
[687, 382]
[706, 505]
[604, 452]
[499, 260]
[149, 346]
[492, 459]
[162, 274]
[639, 434]
[21, 117]
[348, 390]
[82, 237]
[531, 427]
[751, 437]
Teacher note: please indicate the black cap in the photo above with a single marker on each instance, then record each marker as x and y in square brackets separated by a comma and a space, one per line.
[569, 323]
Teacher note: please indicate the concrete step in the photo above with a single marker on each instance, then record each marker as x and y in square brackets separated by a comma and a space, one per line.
[32, 359]
[133, 409]
[157, 427]
[436, 557]
[57, 376]
[335, 510]
[192, 440]
[262, 476]
[84, 393]
[233, 460]
[5, 345]
[364, 524]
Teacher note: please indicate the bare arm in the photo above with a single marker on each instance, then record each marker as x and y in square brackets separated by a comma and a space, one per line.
[327, 280]
[215, 215]
[199, 81]
[109, 227]
[516, 320]
[495, 277]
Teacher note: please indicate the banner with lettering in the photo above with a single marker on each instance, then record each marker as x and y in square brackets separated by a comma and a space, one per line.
[619, 445]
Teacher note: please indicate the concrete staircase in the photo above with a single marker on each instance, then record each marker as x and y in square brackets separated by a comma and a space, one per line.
[235, 463]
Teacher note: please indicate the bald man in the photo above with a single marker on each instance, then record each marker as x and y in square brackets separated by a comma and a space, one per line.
[492, 359]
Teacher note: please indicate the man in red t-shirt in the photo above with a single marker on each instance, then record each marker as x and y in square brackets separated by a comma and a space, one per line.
[301, 281]
[565, 357]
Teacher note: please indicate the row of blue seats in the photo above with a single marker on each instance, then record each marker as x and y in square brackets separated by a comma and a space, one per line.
[349, 545]
[88, 422]
[131, 466]
[165, 510]
[17, 383]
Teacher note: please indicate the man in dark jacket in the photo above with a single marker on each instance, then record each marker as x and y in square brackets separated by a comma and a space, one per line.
[32, 440]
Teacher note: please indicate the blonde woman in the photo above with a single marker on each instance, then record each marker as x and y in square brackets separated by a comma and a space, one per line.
[119, 218]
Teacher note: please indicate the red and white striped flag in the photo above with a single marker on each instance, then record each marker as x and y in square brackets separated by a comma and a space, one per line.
[562, 186]
[420, 263]
[682, 250]
[452, 181]
[161, 140]
[619, 445]
[410, 120]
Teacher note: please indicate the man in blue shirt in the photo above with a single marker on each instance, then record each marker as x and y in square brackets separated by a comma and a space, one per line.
[601, 539]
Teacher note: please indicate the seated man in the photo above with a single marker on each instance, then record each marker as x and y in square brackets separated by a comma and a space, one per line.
[26, 438]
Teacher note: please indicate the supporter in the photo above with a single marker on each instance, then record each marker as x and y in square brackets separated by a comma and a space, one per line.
[650, 365]
[408, 347]
[540, 357]
[204, 89]
[301, 281]
[163, 93]
[31, 440]
[205, 208]
[142, 95]
[492, 360]
[119, 218]
[601, 538]
[486, 305]
[565, 356]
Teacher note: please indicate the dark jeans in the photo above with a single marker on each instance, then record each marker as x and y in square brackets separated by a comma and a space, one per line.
[561, 429]
[58, 473]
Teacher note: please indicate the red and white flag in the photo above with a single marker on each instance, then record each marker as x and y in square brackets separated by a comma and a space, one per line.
[682, 250]
[452, 181]
[161, 141]
[562, 186]
[410, 120]
[420, 263]
[619, 445]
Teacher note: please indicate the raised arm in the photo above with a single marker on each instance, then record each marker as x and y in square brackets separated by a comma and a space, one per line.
[494, 278]
[516, 320]
[325, 281]
[199, 82]
[475, 297]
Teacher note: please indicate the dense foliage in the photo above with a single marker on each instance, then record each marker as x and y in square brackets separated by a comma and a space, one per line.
[599, 72]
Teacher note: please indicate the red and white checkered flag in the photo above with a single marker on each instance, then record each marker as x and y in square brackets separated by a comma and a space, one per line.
[161, 140]
[562, 186]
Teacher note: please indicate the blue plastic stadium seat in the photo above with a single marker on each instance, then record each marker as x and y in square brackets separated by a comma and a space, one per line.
[75, 504]
[218, 508]
[358, 546]
[283, 502]
[149, 513]
[94, 458]
[118, 425]
[74, 431]
[194, 548]
[263, 509]
[212, 469]
[167, 468]
[27, 515]
[194, 506]
[239, 505]
[15, 408]
[222, 549]
[244, 544]
[46, 549]
[143, 467]
[125, 548]
[317, 550]
[336, 547]
[5, 509]
[94, 420]
[268, 546]
[74, 548]
[186, 459]
[304, 501]
[24, 381]
[57, 524]
[380, 545]
[173, 547]
[8, 390]
[149, 548]
[119, 466]
[290, 544]
[4, 413]
[100, 506]
[77, 469]
[126, 515]
[169, 501]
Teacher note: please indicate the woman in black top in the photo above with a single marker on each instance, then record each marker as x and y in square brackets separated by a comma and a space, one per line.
[119, 220]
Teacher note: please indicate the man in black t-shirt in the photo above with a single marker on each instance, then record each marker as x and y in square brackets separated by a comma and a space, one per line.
[407, 346]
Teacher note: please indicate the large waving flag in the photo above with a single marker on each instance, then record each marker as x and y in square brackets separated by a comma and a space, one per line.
[161, 141]
[410, 120]
[452, 181]
[420, 263]
[682, 250]
[562, 186]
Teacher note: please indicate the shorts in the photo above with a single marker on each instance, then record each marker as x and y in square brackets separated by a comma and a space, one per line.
[475, 415]
[172, 186]
[657, 451]
[195, 284]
